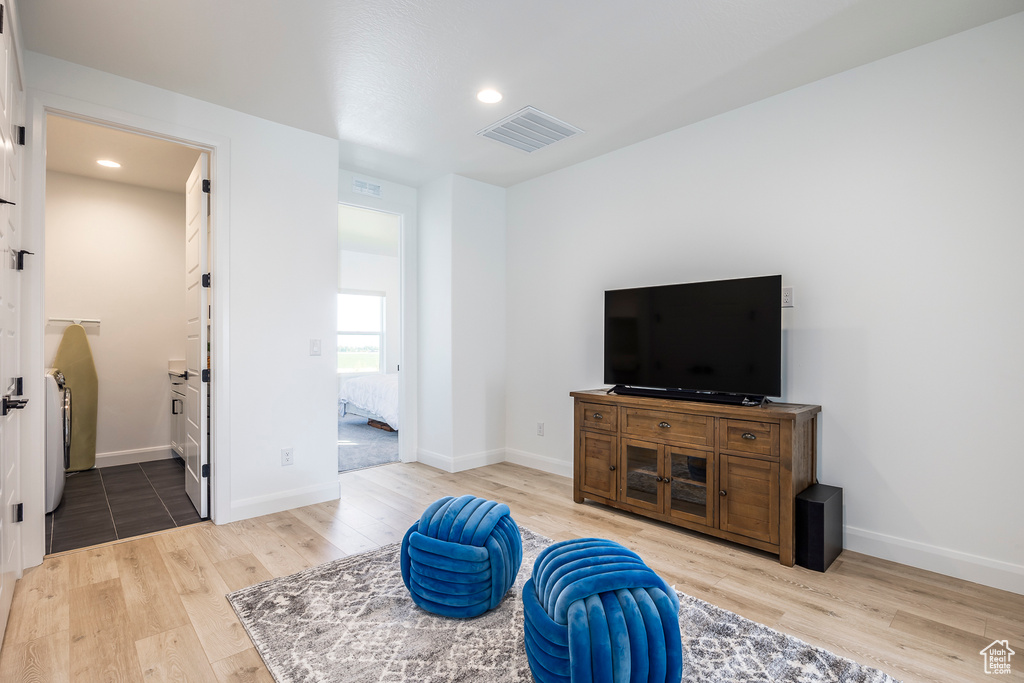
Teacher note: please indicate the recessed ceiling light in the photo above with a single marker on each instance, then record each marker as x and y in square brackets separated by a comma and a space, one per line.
[108, 163]
[489, 96]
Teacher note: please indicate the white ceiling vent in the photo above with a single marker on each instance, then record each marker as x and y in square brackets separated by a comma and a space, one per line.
[529, 129]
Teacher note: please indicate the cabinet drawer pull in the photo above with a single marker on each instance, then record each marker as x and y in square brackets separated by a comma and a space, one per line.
[612, 468]
[748, 436]
[665, 425]
[658, 479]
[598, 416]
[722, 492]
[667, 480]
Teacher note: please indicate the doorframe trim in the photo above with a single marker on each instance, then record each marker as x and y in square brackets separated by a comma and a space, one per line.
[406, 209]
[39, 104]
[406, 449]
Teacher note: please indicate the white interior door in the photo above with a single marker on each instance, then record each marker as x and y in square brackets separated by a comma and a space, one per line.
[10, 333]
[196, 445]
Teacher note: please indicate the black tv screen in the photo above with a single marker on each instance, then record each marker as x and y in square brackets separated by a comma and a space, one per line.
[722, 336]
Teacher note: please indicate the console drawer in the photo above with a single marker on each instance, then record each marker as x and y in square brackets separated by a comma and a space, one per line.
[760, 438]
[600, 416]
[698, 430]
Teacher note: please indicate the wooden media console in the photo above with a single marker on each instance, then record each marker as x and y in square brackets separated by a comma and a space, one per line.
[729, 471]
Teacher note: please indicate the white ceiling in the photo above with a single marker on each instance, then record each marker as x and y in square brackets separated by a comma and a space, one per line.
[75, 146]
[395, 80]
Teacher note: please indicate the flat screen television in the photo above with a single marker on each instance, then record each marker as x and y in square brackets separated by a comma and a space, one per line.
[717, 341]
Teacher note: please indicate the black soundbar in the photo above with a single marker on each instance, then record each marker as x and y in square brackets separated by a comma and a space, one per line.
[688, 395]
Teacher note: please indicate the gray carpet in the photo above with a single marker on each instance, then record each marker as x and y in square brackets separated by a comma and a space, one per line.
[352, 621]
[360, 445]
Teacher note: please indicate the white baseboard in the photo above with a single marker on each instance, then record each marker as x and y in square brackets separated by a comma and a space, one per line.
[986, 571]
[467, 462]
[134, 455]
[284, 500]
[539, 462]
[441, 462]
[460, 463]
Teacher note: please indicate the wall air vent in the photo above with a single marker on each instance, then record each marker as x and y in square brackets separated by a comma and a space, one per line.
[361, 186]
[529, 129]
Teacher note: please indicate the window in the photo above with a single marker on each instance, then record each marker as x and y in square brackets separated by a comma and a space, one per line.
[360, 332]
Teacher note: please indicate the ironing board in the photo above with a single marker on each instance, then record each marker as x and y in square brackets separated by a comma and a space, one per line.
[74, 359]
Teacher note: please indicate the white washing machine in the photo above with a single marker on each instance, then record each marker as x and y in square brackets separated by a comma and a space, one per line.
[58, 436]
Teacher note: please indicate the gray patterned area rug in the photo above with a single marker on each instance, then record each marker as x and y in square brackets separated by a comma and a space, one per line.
[352, 621]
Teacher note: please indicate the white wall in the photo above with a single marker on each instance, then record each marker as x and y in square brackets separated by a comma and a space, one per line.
[116, 252]
[478, 322]
[376, 273]
[275, 194]
[436, 420]
[890, 198]
[462, 323]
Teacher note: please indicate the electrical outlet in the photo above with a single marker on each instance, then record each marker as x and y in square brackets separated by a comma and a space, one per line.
[287, 456]
[314, 347]
[540, 429]
[787, 297]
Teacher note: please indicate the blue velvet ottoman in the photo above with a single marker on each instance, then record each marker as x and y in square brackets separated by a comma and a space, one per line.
[595, 612]
[462, 556]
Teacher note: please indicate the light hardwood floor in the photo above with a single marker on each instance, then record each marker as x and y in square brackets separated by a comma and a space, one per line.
[153, 608]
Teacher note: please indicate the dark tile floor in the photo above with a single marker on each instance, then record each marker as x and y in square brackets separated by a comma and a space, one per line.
[112, 503]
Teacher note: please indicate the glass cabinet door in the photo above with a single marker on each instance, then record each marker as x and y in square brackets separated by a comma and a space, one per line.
[691, 470]
[642, 483]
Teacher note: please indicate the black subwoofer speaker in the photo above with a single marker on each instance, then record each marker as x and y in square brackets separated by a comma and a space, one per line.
[819, 526]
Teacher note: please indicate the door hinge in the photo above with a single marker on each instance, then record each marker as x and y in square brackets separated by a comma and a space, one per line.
[206, 375]
[206, 471]
[19, 512]
[206, 185]
[8, 404]
[20, 254]
[206, 279]
[21, 135]
[19, 386]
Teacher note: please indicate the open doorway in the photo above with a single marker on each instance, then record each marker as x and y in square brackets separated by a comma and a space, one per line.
[117, 264]
[369, 337]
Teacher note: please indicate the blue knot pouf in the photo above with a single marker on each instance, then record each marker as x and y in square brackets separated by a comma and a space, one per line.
[593, 611]
[462, 556]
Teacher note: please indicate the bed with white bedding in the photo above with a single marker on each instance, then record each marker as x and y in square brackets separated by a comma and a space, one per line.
[374, 397]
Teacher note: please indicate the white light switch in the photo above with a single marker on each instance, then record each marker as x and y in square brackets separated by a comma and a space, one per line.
[314, 347]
